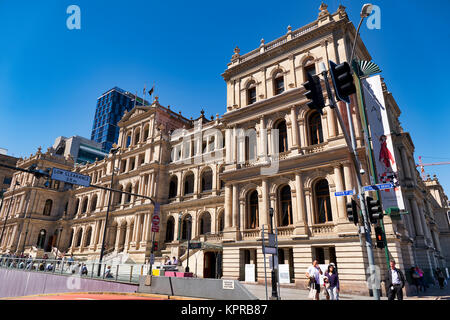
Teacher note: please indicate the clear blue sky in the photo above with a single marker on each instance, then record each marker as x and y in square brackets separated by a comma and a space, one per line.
[50, 77]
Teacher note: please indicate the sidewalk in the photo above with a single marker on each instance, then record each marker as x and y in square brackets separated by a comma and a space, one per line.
[432, 293]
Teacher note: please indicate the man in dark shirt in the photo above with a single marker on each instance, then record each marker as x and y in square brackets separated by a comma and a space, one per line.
[395, 281]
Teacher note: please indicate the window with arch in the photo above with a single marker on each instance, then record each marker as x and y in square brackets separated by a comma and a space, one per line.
[322, 202]
[222, 183]
[128, 196]
[189, 183]
[252, 210]
[173, 186]
[220, 222]
[315, 128]
[87, 241]
[118, 196]
[207, 177]
[146, 132]
[170, 228]
[251, 93]
[77, 204]
[93, 203]
[41, 239]
[48, 207]
[309, 67]
[78, 238]
[128, 141]
[186, 230]
[84, 205]
[278, 83]
[137, 137]
[282, 136]
[285, 216]
[205, 223]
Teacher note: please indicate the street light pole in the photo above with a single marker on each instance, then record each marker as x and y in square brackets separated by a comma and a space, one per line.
[188, 220]
[102, 250]
[274, 270]
[365, 12]
[7, 212]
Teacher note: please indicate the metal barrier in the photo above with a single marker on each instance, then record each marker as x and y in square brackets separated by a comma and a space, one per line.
[113, 272]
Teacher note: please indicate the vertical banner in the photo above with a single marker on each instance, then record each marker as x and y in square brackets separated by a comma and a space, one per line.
[383, 151]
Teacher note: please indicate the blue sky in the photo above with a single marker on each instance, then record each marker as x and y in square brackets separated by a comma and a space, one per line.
[50, 77]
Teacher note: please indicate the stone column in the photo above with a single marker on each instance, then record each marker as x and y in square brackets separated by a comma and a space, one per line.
[262, 138]
[417, 220]
[339, 187]
[300, 224]
[264, 210]
[294, 123]
[235, 205]
[331, 117]
[406, 170]
[228, 206]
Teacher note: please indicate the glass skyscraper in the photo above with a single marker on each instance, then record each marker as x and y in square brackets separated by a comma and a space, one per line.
[110, 108]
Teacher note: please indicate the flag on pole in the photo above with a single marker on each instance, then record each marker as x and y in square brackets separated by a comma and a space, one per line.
[143, 97]
[150, 92]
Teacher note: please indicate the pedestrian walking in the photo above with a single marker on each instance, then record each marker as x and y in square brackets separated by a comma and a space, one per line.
[395, 281]
[415, 279]
[108, 273]
[441, 277]
[332, 282]
[421, 278]
[313, 274]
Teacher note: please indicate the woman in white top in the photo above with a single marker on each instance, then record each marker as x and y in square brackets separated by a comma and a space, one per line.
[313, 274]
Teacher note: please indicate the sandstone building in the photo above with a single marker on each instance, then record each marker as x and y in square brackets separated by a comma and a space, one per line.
[217, 178]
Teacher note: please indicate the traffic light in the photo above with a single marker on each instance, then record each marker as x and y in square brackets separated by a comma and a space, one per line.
[155, 246]
[352, 213]
[374, 209]
[314, 93]
[380, 237]
[342, 81]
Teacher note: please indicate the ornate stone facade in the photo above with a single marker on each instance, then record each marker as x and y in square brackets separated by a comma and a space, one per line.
[267, 151]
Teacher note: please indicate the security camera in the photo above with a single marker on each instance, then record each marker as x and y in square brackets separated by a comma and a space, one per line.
[362, 171]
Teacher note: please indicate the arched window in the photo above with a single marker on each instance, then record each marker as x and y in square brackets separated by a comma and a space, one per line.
[222, 183]
[77, 204]
[71, 238]
[146, 131]
[205, 223]
[93, 203]
[137, 136]
[220, 222]
[282, 136]
[118, 196]
[323, 204]
[207, 180]
[41, 239]
[173, 186]
[78, 238]
[186, 230]
[48, 207]
[309, 67]
[278, 83]
[84, 205]
[170, 227]
[128, 196]
[253, 210]
[128, 141]
[315, 128]
[285, 217]
[251, 93]
[87, 241]
[189, 183]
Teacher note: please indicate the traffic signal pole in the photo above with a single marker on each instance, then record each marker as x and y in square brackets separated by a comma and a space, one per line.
[351, 144]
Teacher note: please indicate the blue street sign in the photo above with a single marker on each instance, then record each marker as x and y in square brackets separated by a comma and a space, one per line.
[344, 193]
[381, 186]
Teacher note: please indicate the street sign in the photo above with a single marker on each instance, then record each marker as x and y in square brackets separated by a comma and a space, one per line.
[156, 218]
[70, 177]
[195, 245]
[272, 241]
[269, 250]
[380, 186]
[152, 258]
[344, 193]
